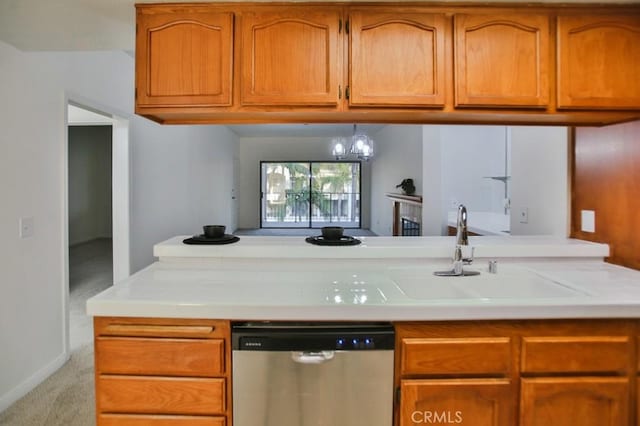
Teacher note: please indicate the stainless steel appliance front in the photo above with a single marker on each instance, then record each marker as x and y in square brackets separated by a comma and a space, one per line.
[312, 374]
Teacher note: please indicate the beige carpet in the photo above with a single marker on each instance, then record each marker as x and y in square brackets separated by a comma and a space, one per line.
[66, 398]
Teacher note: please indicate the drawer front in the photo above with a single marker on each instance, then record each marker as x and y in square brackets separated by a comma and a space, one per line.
[581, 354]
[161, 327]
[478, 355]
[160, 395]
[156, 420]
[163, 357]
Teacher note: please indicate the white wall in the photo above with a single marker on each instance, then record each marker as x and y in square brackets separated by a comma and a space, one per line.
[433, 208]
[540, 180]
[89, 183]
[469, 154]
[398, 156]
[254, 150]
[182, 179]
[177, 175]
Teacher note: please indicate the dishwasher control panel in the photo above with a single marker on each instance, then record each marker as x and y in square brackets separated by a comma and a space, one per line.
[312, 336]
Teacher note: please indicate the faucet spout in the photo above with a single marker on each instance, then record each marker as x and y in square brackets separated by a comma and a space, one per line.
[462, 236]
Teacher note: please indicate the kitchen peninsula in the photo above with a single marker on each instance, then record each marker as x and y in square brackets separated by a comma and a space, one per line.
[554, 329]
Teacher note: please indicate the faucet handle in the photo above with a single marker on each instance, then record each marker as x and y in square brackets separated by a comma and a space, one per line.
[468, 260]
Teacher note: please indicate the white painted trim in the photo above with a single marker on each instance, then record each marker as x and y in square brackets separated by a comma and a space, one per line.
[121, 171]
[34, 380]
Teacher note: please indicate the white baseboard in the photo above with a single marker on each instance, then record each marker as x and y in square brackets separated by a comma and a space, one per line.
[28, 385]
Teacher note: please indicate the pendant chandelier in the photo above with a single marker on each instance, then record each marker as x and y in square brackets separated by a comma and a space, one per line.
[361, 146]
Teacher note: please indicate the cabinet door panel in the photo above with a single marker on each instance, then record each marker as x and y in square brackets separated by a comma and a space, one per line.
[599, 62]
[502, 60]
[481, 402]
[397, 59]
[579, 401]
[291, 57]
[184, 59]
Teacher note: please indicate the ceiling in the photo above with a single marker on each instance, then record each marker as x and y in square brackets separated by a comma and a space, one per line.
[301, 130]
[36, 25]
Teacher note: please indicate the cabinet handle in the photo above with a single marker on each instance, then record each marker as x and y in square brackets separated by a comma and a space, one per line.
[339, 26]
[339, 91]
[346, 92]
[158, 329]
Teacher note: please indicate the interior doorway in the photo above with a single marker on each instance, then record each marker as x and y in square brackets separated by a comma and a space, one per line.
[97, 212]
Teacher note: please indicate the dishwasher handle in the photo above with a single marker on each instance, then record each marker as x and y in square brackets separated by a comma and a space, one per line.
[312, 357]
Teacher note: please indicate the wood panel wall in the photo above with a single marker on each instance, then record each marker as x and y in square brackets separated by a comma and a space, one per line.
[606, 179]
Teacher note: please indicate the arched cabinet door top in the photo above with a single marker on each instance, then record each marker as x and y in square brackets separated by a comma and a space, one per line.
[599, 62]
[184, 59]
[502, 60]
[291, 57]
[397, 59]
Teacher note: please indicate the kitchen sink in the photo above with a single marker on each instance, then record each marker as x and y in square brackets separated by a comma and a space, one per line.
[511, 282]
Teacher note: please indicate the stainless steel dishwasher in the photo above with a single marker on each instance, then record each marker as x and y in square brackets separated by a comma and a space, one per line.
[312, 374]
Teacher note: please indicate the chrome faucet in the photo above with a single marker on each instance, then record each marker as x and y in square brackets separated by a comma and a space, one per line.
[462, 236]
[462, 239]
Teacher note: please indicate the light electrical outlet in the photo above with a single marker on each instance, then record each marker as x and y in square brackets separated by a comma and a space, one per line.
[588, 221]
[26, 227]
[523, 215]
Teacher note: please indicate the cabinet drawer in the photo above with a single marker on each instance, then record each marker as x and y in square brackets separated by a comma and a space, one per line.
[156, 420]
[160, 395]
[160, 327]
[582, 354]
[478, 355]
[163, 357]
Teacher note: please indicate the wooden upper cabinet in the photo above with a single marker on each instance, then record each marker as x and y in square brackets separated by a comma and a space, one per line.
[184, 57]
[599, 61]
[397, 59]
[291, 56]
[502, 60]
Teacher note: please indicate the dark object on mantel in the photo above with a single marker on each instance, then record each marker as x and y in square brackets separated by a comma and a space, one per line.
[343, 241]
[407, 186]
[204, 240]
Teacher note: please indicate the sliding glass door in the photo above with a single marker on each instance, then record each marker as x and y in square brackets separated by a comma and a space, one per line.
[310, 194]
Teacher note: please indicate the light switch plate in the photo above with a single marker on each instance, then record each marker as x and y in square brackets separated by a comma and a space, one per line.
[588, 221]
[27, 227]
[523, 215]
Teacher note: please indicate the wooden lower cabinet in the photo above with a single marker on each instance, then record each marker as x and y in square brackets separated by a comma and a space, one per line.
[478, 402]
[575, 401]
[162, 372]
[518, 373]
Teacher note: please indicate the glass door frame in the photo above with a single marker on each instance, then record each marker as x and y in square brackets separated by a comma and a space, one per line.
[310, 163]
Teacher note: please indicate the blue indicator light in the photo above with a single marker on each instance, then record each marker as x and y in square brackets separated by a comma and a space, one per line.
[354, 341]
[340, 342]
[367, 341]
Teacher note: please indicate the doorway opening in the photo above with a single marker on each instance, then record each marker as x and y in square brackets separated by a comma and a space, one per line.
[97, 246]
[310, 194]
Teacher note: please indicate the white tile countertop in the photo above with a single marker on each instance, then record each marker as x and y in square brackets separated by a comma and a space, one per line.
[201, 285]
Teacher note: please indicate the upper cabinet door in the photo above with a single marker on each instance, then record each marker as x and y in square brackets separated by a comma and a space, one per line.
[184, 58]
[397, 59]
[502, 60]
[291, 57]
[599, 62]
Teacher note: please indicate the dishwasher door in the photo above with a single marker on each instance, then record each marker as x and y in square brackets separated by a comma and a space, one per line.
[302, 375]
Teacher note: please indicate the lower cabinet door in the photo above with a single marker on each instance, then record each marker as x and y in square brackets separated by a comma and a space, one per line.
[156, 420]
[477, 402]
[575, 401]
